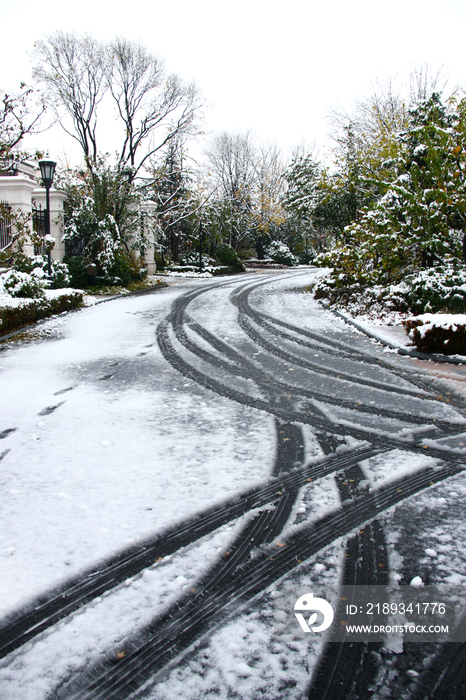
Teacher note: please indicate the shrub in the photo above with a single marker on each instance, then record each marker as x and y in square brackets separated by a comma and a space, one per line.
[21, 284]
[159, 262]
[223, 270]
[246, 253]
[31, 310]
[306, 258]
[226, 255]
[438, 333]
[281, 254]
[77, 268]
[38, 267]
[124, 269]
[434, 290]
[121, 270]
[438, 289]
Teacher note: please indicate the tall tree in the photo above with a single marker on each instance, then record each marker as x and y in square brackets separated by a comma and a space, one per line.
[72, 71]
[232, 159]
[170, 189]
[421, 219]
[268, 213]
[153, 107]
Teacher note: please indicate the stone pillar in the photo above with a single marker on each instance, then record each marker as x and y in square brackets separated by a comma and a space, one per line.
[56, 217]
[149, 259]
[16, 191]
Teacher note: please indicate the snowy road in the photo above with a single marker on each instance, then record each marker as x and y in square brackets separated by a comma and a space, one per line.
[166, 459]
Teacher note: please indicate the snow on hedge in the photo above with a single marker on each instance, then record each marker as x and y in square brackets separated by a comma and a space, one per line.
[438, 333]
[445, 321]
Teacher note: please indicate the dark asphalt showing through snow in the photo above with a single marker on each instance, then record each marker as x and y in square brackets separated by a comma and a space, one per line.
[358, 405]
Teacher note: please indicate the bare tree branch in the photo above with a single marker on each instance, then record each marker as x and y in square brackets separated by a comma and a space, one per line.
[72, 70]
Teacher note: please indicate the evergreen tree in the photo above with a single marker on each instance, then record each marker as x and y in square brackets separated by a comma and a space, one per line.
[420, 220]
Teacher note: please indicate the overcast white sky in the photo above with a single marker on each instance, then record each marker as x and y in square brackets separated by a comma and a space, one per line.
[275, 68]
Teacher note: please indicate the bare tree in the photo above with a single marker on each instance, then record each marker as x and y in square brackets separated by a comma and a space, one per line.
[154, 107]
[270, 179]
[233, 160]
[18, 117]
[423, 81]
[77, 73]
[73, 72]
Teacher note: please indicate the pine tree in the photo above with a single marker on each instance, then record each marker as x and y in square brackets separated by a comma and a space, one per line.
[420, 221]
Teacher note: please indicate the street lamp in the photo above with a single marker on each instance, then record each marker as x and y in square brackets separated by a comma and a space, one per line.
[126, 175]
[47, 171]
[201, 238]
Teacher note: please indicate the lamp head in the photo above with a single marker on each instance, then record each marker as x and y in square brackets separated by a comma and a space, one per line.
[47, 171]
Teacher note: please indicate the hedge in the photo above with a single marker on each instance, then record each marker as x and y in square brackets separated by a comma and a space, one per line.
[438, 333]
[31, 310]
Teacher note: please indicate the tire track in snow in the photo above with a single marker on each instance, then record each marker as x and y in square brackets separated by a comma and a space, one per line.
[260, 524]
[135, 663]
[346, 670]
[41, 613]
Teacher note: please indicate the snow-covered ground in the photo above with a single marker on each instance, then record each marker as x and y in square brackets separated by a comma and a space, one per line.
[103, 443]
[109, 444]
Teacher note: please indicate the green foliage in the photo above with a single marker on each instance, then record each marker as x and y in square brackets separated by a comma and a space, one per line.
[32, 310]
[159, 262]
[420, 221]
[246, 253]
[126, 268]
[60, 278]
[77, 268]
[99, 215]
[438, 290]
[21, 284]
[226, 255]
[444, 335]
[38, 266]
[121, 271]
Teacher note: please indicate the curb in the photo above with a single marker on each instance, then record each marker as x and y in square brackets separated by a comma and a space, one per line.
[400, 350]
[72, 311]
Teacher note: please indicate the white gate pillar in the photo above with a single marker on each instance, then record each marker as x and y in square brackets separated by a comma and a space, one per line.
[149, 207]
[16, 191]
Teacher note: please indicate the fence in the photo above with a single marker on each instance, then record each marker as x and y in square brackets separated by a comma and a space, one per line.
[5, 225]
[38, 225]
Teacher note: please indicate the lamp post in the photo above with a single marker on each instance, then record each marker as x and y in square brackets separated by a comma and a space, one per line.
[126, 175]
[201, 238]
[47, 171]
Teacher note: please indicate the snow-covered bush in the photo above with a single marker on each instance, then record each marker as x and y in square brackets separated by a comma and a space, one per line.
[20, 284]
[99, 239]
[191, 258]
[281, 254]
[438, 289]
[439, 333]
[358, 298]
[101, 215]
[17, 313]
[38, 267]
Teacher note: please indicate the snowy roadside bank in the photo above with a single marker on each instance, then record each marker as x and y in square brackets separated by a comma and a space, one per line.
[58, 302]
[394, 337]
